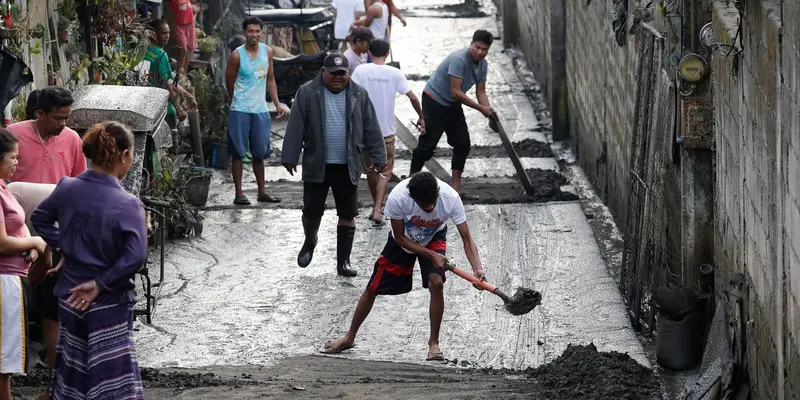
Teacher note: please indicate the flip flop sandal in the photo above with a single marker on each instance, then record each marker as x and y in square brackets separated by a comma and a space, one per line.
[333, 349]
[375, 222]
[467, 196]
[268, 199]
[241, 200]
[435, 356]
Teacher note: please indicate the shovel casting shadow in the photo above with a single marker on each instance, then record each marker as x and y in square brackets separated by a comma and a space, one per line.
[522, 302]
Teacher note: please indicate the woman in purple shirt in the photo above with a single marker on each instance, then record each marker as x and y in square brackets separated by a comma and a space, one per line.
[102, 236]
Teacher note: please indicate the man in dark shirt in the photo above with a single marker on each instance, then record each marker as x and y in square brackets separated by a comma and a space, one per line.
[332, 120]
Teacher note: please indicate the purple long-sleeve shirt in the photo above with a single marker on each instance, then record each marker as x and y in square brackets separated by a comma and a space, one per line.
[101, 233]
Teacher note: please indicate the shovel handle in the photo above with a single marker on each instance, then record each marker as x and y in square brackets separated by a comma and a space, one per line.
[482, 284]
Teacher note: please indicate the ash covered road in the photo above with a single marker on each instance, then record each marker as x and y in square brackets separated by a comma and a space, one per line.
[235, 303]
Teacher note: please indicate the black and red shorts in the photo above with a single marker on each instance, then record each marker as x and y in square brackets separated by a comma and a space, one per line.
[393, 270]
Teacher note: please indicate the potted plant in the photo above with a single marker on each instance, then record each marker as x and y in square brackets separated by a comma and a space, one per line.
[208, 46]
[63, 29]
[7, 33]
[170, 185]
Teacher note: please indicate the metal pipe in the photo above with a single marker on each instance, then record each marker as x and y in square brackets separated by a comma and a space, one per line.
[779, 247]
[196, 137]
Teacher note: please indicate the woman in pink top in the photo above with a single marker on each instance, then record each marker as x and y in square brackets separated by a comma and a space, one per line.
[17, 251]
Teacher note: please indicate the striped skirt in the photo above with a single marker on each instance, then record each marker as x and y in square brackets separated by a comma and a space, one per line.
[96, 354]
[13, 324]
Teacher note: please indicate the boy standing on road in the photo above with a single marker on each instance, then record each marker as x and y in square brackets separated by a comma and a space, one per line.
[441, 103]
[247, 77]
[361, 37]
[185, 34]
[331, 121]
[346, 12]
[383, 83]
[419, 207]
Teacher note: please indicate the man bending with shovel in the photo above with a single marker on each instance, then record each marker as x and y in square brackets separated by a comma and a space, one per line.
[418, 208]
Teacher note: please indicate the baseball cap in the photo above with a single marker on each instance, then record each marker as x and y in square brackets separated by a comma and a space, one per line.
[335, 62]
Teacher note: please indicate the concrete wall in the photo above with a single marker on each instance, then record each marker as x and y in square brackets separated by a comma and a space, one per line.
[601, 90]
[601, 81]
[757, 224]
[756, 98]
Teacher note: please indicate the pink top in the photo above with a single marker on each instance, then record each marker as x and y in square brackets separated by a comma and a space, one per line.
[13, 216]
[50, 161]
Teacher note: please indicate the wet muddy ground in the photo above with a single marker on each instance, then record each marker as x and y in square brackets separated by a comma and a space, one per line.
[238, 319]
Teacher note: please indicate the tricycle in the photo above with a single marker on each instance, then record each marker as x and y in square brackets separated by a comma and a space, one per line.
[312, 28]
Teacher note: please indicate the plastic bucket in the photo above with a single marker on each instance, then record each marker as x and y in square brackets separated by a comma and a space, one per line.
[219, 156]
[197, 186]
[680, 342]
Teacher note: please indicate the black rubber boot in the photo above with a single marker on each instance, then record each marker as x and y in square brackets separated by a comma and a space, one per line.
[344, 244]
[310, 228]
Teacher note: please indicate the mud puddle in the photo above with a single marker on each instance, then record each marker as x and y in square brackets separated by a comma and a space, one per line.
[526, 148]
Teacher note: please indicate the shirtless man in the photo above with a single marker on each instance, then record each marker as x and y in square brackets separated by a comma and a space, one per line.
[419, 207]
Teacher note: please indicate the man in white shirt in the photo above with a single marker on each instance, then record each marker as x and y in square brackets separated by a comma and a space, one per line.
[419, 207]
[383, 83]
[346, 12]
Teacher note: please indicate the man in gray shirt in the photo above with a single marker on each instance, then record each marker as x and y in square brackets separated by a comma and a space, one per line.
[441, 105]
[332, 120]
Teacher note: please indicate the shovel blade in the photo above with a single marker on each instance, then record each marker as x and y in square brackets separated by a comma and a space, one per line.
[523, 301]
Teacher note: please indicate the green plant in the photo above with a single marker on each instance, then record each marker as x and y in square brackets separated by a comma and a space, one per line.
[212, 105]
[208, 44]
[67, 10]
[117, 66]
[18, 109]
[169, 185]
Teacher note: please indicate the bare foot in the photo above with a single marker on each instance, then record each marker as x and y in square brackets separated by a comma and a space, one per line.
[338, 345]
[435, 353]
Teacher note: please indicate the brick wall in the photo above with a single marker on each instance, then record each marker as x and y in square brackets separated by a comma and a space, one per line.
[758, 165]
[756, 98]
[534, 38]
[601, 79]
[601, 89]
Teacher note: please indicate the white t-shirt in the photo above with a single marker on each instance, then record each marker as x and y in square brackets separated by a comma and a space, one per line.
[420, 225]
[345, 16]
[29, 195]
[383, 83]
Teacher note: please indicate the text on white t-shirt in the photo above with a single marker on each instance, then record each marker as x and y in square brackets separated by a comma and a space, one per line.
[421, 226]
[382, 83]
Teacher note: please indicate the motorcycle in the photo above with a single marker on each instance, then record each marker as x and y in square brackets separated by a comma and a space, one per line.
[293, 72]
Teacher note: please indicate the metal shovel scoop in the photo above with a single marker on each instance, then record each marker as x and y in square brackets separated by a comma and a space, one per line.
[523, 301]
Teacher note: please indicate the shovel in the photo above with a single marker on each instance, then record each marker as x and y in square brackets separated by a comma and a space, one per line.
[523, 301]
